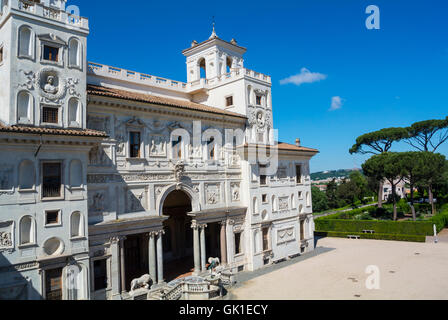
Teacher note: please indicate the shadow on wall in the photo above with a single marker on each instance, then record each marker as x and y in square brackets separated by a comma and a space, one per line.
[14, 285]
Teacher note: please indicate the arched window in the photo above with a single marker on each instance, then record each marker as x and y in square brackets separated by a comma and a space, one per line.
[24, 107]
[301, 209]
[249, 94]
[308, 199]
[255, 205]
[228, 64]
[26, 175]
[25, 42]
[293, 202]
[274, 204]
[76, 174]
[76, 225]
[74, 53]
[202, 69]
[74, 112]
[26, 230]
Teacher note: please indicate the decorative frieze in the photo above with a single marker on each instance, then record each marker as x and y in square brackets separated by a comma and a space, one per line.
[283, 204]
[285, 235]
[213, 193]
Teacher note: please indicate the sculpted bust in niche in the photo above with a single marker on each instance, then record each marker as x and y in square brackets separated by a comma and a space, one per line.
[49, 86]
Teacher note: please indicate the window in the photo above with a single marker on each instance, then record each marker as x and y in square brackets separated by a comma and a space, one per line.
[274, 204]
[299, 174]
[134, 144]
[26, 231]
[211, 148]
[262, 175]
[76, 225]
[255, 205]
[51, 180]
[74, 53]
[229, 101]
[238, 248]
[176, 147]
[100, 274]
[50, 115]
[26, 175]
[300, 195]
[258, 100]
[24, 107]
[73, 112]
[293, 202]
[308, 199]
[52, 217]
[51, 53]
[264, 198]
[302, 230]
[1, 55]
[76, 174]
[53, 284]
[266, 239]
[25, 42]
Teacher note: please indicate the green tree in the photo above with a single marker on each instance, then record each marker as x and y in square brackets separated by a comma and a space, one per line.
[412, 164]
[361, 182]
[332, 198]
[319, 200]
[386, 166]
[349, 192]
[432, 171]
[378, 142]
[428, 136]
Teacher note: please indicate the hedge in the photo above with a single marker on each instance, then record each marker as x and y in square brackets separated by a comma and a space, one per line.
[351, 213]
[421, 228]
[441, 219]
[376, 236]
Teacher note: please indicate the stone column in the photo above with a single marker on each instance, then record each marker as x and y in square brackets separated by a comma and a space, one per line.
[223, 245]
[203, 251]
[197, 258]
[152, 257]
[115, 267]
[122, 265]
[160, 257]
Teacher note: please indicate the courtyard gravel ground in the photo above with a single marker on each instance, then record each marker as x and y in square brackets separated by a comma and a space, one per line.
[337, 270]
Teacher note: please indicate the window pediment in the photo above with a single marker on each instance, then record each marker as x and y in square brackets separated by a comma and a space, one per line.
[51, 38]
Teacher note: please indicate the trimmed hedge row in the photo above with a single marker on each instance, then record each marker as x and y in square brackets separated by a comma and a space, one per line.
[351, 213]
[421, 228]
[441, 219]
[375, 236]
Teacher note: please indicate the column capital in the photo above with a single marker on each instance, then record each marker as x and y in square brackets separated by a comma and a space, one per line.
[116, 239]
[155, 233]
[223, 222]
[196, 225]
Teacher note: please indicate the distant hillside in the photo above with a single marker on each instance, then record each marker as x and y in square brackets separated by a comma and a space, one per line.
[341, 173]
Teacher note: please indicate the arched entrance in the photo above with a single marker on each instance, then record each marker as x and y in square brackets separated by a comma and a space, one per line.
[178, 238]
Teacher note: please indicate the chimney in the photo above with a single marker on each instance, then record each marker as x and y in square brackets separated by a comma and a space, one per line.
[298, 142]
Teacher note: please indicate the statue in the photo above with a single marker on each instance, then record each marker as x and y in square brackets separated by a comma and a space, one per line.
[260, 120]
[49, 86]
[142, 282]
[213, 263]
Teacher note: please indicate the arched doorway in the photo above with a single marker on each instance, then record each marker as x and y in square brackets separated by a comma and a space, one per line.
[178, 238]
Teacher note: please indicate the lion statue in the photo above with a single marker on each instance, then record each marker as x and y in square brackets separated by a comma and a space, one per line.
[142, 282]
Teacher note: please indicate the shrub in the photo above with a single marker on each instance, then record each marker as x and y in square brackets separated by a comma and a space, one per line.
[422, 228]
[376, 236]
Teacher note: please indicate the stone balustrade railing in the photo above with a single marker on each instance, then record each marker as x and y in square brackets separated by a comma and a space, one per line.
[146, 79]
[44, 11]
[127, 75]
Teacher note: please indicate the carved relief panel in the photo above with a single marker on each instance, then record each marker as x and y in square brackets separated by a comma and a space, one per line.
[235, 191]
[98, 201]
[213, 193]
[6, 236]
[136, 199]
[285, 235]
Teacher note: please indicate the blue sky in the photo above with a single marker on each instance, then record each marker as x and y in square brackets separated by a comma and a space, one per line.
[381, 78]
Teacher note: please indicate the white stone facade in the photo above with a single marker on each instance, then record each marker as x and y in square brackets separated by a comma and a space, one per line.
[150, 172]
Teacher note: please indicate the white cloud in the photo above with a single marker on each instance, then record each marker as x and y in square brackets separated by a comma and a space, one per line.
[305, 76]
[336, 103]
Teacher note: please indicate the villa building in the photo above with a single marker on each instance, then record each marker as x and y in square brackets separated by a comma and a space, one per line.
[108, 174]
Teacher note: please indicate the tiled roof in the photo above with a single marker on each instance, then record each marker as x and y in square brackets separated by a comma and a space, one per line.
[293, 147]
[142, 97]
[287, 147]
[52, 131]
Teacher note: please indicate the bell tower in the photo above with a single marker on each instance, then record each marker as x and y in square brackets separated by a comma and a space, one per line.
[43, 67]
[213, 58]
